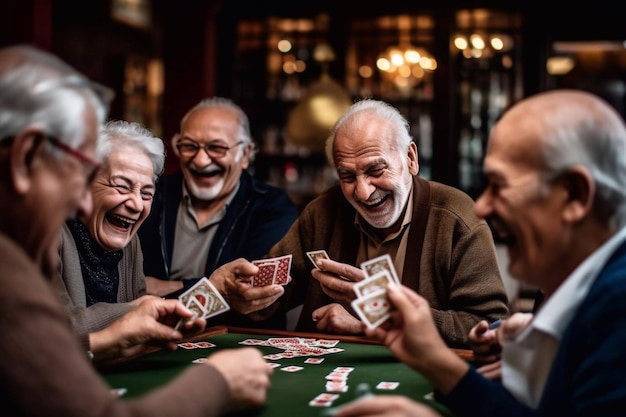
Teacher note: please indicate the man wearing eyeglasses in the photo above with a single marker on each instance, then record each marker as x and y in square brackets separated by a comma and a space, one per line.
[213, 211]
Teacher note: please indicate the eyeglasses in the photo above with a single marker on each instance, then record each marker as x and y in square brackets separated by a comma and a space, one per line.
[91, 167]
[190, 149]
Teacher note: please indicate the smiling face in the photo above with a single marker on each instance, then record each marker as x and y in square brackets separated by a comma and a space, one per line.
[375, 174]
[213, 178]
[122, 198]
[524, 211]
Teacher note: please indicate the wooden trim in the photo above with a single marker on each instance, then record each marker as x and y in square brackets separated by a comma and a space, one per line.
[465, 354]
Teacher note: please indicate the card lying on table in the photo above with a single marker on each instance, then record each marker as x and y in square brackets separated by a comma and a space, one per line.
[272, 271]
[204, 299]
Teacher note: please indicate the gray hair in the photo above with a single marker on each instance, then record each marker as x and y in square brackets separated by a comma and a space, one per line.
[119, 132]
[243, 134]
[593, 136]
[380, 108]
[38, 90]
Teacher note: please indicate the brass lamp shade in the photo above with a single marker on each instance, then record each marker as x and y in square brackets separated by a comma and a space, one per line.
[309, 123]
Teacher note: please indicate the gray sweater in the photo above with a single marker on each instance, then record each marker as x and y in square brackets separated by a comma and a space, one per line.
[72, 288]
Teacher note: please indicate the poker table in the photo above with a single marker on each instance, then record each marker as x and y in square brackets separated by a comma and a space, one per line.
[290, 392]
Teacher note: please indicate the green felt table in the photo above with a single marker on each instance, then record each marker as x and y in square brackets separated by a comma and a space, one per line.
[290, 392]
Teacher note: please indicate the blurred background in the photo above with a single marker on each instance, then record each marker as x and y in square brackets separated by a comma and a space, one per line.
[452, 67]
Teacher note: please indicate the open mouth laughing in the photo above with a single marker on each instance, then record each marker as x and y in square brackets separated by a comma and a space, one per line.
[500, 231]
[119, 221]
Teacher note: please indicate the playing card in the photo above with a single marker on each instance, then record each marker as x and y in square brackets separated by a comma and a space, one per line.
[266, 274]
[373, 308]
[320, 403]
[206, 296]
[380, 263]
[315, 255]
[326, 397]
[198, 309]
[376, 282]
[280, 275]
[387, 385]
[284, 269]
[118, 392]
[204, 345]
[292, 368]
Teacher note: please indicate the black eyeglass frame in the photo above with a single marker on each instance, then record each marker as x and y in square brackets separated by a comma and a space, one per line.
[214, 151]
[92, 167]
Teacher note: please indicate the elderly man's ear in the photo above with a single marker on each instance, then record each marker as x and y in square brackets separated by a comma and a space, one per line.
[24, 158]
[412, 159]
[173, 142]
[580, 191]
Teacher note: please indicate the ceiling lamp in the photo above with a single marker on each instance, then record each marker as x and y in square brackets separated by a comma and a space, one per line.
[405, 66]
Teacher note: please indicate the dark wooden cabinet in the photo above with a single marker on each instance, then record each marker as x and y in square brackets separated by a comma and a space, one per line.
[231, 49]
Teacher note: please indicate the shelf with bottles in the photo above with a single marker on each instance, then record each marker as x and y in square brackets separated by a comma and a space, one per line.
[486, 47]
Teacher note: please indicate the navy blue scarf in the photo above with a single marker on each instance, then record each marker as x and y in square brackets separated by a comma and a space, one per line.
[99, 267]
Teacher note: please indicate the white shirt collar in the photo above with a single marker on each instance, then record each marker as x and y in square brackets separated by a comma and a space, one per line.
[557, 311]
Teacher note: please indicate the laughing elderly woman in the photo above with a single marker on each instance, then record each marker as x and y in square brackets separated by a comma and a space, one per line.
[101, 274]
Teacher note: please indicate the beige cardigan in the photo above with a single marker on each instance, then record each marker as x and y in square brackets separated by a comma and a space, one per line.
[72, 288]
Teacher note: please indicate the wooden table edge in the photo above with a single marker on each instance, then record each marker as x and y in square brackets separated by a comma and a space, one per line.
[465, 354]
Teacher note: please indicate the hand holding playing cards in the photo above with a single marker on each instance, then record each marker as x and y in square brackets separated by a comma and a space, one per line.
[234, 281]
[334, 318]
[151, 322]
[484, 343]
[413, 338]
[247, 375]
[337, 279]
[385, 405]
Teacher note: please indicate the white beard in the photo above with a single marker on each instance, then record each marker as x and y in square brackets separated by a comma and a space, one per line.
[204, 193]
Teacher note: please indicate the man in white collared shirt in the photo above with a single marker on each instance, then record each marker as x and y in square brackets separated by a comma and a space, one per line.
[527, 357]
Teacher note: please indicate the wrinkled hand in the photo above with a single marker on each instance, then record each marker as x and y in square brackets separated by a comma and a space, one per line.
[337, 279]
[160, 287]
[151, 322]
[247, 375]
[487, 343]
[234, 281]
[512, 326]
[141, 299]
[386, 406]
[410, 333]
[334, 318]
[492, 370]
[484, 343]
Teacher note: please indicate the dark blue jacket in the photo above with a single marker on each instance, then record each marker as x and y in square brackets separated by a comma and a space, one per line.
[258, 216]
[588, 375]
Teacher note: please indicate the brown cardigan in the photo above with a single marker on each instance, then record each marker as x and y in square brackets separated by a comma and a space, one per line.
[452, 260]
[45, 371]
